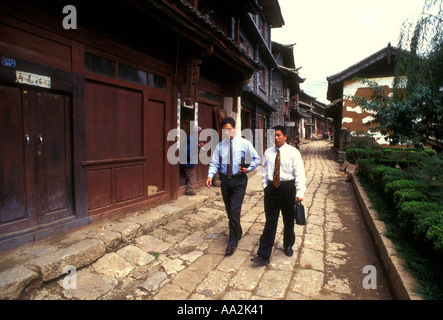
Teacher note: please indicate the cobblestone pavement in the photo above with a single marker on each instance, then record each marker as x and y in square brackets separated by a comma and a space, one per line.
[184, 259]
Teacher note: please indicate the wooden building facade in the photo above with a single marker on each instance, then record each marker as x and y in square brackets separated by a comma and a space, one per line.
[89, 95]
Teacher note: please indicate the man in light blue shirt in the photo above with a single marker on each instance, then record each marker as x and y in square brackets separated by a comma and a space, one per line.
[234, 157]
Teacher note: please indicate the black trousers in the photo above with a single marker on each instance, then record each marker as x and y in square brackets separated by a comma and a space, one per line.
[233, 192]
[276, 199]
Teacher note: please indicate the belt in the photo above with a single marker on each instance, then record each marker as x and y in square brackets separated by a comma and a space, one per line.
[284, 182]
[238, 175]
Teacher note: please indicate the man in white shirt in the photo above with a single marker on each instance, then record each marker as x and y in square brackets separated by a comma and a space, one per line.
[284, 183]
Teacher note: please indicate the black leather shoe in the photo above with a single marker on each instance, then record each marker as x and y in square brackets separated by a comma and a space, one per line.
[288, 251]
[260, 261]
[229, 251]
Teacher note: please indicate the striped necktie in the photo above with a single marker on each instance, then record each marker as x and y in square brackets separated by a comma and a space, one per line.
[276, 179]
[229, 165]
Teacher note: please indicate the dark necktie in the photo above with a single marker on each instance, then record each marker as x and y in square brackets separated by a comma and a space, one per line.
[229, 165]
[276, 179]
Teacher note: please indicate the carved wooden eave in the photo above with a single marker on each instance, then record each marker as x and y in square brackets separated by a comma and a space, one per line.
[203, 39]
[196, 28]
[225, 47]
[272, 12]
[333, 110]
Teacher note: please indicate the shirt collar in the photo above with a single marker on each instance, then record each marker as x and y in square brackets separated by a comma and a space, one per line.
[227, 141]
[283, 146]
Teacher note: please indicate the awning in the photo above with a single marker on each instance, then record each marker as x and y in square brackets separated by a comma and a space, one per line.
[302, 113]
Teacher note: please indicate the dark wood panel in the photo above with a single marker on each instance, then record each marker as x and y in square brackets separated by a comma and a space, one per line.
[99, 188]
[155, 142]
[129, 182]
[114, 122]
[13, 188]
[36, 165]
[52, 144]
[28, 46]
[206, 120]
[129, 124]
[100, 114]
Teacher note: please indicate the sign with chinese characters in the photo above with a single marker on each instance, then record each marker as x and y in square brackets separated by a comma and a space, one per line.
[33, 79]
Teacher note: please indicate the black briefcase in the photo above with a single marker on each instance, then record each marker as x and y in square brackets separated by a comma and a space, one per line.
[299, 212]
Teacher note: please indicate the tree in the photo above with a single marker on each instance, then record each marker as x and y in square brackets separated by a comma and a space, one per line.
[398, 119]
[414, 113]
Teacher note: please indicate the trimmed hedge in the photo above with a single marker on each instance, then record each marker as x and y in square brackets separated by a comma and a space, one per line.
[355, 154]
[405, 195]
[435, 235]
[390, 157]
[418, 217]
[401, 184]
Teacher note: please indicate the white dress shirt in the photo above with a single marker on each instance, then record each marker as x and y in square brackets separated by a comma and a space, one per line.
[291, 167]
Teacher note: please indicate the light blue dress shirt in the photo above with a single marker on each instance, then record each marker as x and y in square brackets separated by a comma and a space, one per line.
[241, 148]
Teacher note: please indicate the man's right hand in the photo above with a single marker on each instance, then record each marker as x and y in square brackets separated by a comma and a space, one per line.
[209, 182]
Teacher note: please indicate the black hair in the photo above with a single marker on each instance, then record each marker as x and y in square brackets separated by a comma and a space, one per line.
[281, 128]
[227, 120]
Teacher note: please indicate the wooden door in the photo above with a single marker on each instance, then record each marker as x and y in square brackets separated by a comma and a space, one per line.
[206, 120]
[35, 159]
[262, 138]
[156, 147]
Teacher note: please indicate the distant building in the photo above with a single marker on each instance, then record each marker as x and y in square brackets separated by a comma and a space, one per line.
[286, 84]
[258, 91]
[347, 116]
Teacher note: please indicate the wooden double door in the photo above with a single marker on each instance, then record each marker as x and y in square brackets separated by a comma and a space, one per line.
[35, 158]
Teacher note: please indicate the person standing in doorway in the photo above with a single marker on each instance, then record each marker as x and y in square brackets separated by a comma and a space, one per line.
[191, 160]
[284, 183]
[231, 157]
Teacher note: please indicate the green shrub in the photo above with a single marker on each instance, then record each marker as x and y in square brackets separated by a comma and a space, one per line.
[416, 218]
[376, 174]
[396, 185]
[354, 154]
[430, 152]
[435, 236]
[365, 165]
[361, 141]
[388, 151]
[387, 162]
[406, 195]
[425, 221]
[391, 176]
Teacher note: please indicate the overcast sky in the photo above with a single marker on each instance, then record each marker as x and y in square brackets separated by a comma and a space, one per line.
[333, 35]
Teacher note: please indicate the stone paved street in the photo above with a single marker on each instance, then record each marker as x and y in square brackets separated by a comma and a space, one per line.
[184, 258]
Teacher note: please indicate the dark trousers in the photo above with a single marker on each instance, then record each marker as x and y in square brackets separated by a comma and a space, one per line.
[233, 192]
[190, 178]
[276, 199]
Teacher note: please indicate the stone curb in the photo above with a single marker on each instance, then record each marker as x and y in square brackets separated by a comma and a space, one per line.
[402, 282]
